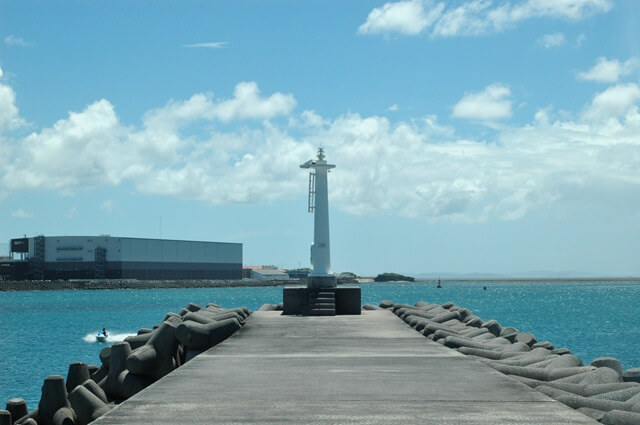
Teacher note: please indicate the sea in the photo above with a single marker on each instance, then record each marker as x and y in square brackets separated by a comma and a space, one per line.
[42, 332]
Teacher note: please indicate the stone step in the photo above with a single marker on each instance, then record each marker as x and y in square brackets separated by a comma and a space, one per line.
[322, 312]
[331, 306]
[323, 300]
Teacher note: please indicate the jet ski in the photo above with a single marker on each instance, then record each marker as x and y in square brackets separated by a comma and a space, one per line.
[101, 337]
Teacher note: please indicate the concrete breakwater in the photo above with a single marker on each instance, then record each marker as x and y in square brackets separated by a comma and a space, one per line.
[127, 367]
[52, 285]
[601, 390]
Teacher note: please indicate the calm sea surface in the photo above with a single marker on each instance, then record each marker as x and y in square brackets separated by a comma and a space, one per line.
[41, 332]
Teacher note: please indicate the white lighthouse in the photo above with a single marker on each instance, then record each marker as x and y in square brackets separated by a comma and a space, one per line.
[321, 275]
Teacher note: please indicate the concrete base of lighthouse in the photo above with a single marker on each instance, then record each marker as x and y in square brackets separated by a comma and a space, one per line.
[321, 301]
[328, 281]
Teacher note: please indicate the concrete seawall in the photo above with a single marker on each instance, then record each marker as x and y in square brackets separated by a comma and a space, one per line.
[51, 285]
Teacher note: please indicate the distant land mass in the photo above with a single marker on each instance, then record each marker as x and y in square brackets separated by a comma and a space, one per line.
[536, 274]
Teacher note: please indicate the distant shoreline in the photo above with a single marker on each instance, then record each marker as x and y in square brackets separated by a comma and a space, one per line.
[51, 285]
[529, 279]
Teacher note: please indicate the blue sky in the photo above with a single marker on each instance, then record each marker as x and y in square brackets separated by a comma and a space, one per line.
[469, 136]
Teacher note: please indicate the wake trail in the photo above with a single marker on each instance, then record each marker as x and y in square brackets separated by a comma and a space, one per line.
[113, 337]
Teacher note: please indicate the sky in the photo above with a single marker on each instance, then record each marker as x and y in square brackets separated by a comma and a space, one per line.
[471, 136]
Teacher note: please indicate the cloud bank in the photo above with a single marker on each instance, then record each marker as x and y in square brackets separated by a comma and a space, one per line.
[415, 168]
[471, 18]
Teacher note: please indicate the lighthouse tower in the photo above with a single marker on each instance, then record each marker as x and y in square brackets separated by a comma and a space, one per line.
[321, 276]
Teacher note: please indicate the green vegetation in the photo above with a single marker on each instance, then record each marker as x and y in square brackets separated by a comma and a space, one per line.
[393, 277]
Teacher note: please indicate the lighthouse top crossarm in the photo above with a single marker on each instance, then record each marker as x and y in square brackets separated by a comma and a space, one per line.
[319, 204]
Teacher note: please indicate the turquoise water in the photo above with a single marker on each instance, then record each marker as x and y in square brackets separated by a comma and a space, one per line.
[41, 332]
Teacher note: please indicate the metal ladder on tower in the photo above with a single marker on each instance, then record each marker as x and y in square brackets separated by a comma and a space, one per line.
[322, 302]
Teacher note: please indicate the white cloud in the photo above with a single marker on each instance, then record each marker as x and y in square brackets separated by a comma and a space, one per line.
[475, 17]
[12, 40]
[414, 168]
[555, 39]
[208, 45]
[9, 114]
[409, 17]
[614, 102]
[247, 104]
[21, 213]
[492, 103]
[83, 150]
[609, 71]
[393, 108]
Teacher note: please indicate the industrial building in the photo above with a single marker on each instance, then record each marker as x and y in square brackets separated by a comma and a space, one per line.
[108, 257]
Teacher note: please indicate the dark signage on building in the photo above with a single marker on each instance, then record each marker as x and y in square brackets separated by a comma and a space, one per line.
[20, 245]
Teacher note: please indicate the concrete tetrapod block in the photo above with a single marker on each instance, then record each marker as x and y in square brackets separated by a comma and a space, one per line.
[584, 390]
[242, 311]
[472, 332]
[624, 394]
[87, 406]
[610, 362]
[576, 401]
[600, 375]
[487, 354]
[96, 390]
[105, 356]
[484, 337]
[464, 312]
[205, 318]
[5, 417]
[538, 373]
[267, 307]
[526, 337]
[596, 389]
[509, 333]
[631, 375]
[559, 361]
[525, 359]
[54, 398]
[197, 336]
[620, 417]
[112, 384]
[493, 326]
[594, 414]
[17, 407]
[456, 342]
[190, 354]
[544, 344]
[100, 374]
[155, 359]
[474, 321]
[370, 307]
[27, 421]
[64, 416]
[92, 368]
[78, 373]
[137, 341]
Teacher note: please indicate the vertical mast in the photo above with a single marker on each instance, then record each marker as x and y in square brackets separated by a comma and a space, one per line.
[319, 205]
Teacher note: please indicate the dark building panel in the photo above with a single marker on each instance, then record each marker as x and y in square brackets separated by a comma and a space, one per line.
[20, 245]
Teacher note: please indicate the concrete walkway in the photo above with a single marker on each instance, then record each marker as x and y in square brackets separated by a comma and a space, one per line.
[368, 369]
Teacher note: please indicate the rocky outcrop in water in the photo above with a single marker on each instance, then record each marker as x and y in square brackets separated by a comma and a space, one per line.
[600, 390]
[127, 367]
